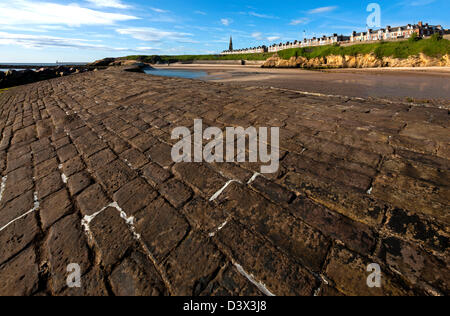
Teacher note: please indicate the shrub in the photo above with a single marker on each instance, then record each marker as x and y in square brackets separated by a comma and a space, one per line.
[414, 37]
[436, 37]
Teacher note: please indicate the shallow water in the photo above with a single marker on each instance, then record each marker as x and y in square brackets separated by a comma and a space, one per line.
[187, 74]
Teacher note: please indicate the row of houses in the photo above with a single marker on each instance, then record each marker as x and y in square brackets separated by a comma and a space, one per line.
[324, 40]
[252, 50]
[386, 34]
[401, 32]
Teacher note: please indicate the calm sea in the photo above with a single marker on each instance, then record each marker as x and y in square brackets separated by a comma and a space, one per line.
[17, 66]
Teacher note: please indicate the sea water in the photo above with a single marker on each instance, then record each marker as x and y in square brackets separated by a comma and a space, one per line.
[187, 74]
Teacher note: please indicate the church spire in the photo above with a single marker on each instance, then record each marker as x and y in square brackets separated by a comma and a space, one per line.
[231, 44]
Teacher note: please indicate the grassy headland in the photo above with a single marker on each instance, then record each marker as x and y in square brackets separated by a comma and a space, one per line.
[432, 47]
[153, 59]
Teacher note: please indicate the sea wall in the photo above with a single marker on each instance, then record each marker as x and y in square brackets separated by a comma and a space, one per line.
[358, 61]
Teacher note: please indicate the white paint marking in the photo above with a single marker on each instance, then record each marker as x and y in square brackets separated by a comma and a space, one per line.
[218, 229]
[63, 176]
[87, 219]
[253, 178]
[252, 279]
[317, 292]
[218, 193]
[129, 164]
[35, 208]
[3, 187]
[324, 280]
[314, 94]
[128, 220]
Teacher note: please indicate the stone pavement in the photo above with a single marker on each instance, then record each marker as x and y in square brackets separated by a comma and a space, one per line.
[87, 178]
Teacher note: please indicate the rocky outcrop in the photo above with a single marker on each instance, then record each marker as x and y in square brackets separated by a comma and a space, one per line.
[115, 62]
[13, 78]
[137, 67]
[105, 62]
[358, 61]
[125, 63]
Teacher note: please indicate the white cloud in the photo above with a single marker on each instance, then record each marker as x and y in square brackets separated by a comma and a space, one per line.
[36, 28]
[200, 12]
[273, 38]
[145, 49]
[25, 12]
[45, 42]
[260, 37]
[262, 16]
[226, 22]
[117, 4]
[159, 10]
[420, 3]
[42, 41]
[299, 21]
[322, 10]
[257, 35]
[150, 34]
[164, 19]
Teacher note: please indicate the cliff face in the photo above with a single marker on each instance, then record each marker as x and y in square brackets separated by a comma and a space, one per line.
[359, 61]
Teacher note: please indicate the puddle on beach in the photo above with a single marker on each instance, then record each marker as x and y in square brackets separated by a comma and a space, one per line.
[187, 74]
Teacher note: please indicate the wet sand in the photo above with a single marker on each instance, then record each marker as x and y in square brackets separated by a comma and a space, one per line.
[394, 83]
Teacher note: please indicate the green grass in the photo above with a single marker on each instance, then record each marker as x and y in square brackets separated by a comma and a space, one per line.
[433, 47]
[186, 58]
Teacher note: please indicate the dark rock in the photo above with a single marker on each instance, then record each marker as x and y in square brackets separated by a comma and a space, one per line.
[13, 78]
[134, 69]
[103, 62]
[44, 71]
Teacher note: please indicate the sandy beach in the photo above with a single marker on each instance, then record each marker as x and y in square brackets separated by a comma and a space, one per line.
[421, 84]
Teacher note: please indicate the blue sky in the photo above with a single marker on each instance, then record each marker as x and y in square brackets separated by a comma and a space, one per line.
[86, 30]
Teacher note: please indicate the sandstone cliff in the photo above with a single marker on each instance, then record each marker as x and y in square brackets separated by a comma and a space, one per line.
[358, 61]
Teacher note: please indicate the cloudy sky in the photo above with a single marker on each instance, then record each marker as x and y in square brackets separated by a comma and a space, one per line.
[86, 30]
